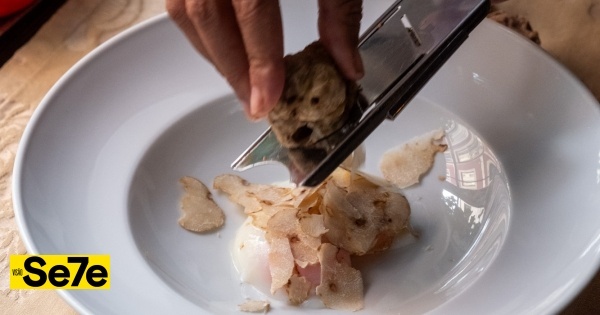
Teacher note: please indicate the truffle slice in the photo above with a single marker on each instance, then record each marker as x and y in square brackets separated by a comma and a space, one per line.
[360, 216]
[341, 286]
[403, 166]
[200, 212]
[254, 306]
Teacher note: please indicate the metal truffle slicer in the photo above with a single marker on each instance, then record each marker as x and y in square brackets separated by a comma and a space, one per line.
[401, 51]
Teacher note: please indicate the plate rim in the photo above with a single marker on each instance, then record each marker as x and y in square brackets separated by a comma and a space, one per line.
[24, 143]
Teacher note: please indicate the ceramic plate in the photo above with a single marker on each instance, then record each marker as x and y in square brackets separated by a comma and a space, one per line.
[508, 217]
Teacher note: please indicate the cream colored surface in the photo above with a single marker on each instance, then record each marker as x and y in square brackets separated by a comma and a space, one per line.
[568, 31]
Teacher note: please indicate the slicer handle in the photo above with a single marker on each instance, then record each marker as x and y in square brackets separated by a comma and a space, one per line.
[408, 44]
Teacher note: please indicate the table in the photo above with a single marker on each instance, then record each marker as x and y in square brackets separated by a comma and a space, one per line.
[570, 33]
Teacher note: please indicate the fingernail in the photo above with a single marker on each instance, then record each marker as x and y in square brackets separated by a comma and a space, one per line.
[256, 102]
[248, 111]
[267, 85]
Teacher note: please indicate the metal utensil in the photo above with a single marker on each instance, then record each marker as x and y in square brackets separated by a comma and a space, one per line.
[401, 51]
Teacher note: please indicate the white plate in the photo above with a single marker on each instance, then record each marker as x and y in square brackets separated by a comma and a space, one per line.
[514, 228]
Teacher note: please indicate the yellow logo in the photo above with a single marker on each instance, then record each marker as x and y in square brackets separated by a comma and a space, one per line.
[71, 272]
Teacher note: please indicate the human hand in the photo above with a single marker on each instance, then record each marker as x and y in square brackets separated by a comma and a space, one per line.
[244, 41]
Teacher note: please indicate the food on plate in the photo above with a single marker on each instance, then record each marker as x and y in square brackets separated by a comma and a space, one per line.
[199, 211]
[311, 233]
[360, 216]
[341, 285]
[301, 240]
[250, 255]
[254, 306]
[316, 100]
[403, 166]
[260, 201]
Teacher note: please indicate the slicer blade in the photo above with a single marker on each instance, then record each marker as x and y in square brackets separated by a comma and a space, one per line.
[301, 162]
[266, 150]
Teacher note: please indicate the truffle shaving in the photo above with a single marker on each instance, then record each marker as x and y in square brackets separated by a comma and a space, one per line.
[254, 306]
[298, 289]
[362, 217]
[199, 211]
[403, 166]
[341, 286]
[281, 262]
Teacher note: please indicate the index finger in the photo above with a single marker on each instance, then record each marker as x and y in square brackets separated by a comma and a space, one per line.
[262, 33]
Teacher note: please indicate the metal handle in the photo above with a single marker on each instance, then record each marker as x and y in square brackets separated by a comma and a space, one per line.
[409, 43]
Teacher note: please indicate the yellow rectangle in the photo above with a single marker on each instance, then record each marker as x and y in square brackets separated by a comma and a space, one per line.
[69, 272]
